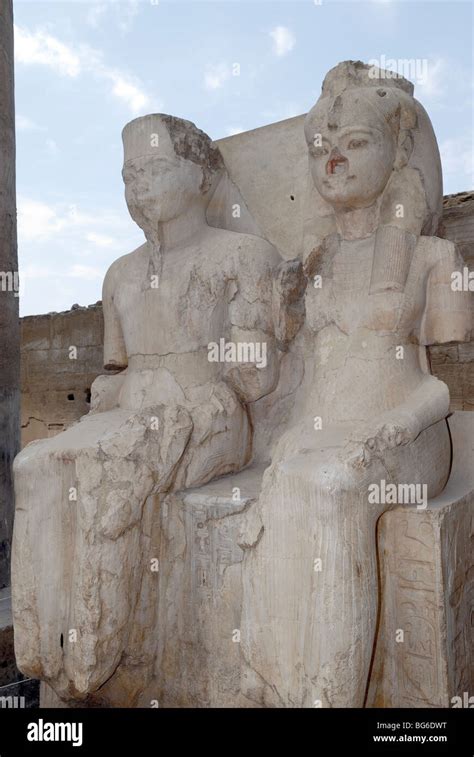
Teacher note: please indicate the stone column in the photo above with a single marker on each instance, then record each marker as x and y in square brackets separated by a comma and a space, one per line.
[9, 322]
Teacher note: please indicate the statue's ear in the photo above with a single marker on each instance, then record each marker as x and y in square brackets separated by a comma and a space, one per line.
[405, 148]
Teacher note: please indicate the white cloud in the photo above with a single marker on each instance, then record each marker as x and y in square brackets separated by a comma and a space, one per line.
[40, 221]
[23, 123]
[33, 271]
[100, 240]
[284, 111]
[95, 14]
[231, 130]
[433, 84]
[70, 246]
[37, 220]
[216, 75]
[52, 148]
[457, 158]
[283, 40]
[127, 13]
[87, 272]
[127, 90]
[42, 49]
[124, 13]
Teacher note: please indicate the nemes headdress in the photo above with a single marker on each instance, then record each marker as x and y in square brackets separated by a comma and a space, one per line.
[189, 142]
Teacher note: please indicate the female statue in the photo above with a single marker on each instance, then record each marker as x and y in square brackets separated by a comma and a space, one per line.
[368, 412]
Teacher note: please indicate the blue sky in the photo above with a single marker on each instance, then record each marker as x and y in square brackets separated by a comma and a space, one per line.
[86, 67]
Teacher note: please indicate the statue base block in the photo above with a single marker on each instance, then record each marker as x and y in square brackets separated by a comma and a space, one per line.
[423, 654]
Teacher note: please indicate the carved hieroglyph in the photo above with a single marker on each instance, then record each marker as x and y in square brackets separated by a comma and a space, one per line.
[424, 654]
[172, 418]
[368, 413]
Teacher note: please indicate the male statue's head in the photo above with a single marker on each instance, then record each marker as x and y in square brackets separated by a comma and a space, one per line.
[170, 169]
[370, 142]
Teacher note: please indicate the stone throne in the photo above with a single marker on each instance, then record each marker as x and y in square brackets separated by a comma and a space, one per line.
[188, 620]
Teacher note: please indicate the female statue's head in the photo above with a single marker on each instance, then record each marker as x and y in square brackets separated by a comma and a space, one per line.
[370, 141]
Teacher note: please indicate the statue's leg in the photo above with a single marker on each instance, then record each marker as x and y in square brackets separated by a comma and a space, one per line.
[310, 579]
[221, 440]
[77, 552]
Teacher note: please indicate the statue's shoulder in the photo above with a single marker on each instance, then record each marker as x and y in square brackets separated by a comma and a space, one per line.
[434, 250]
[247, 250]
[118, 269]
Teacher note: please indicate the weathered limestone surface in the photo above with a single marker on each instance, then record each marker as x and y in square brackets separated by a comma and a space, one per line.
[427, 582]
[198, 628]
[151, 584]
[9, 328]
[48, 377]
[171, 419]
[368, 410]
[427, 588]
[426, 568]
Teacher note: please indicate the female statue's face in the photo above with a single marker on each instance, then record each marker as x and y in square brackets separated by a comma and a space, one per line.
[351, 151]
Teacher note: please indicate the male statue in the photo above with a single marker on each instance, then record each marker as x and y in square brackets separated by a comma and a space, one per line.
[172, 417]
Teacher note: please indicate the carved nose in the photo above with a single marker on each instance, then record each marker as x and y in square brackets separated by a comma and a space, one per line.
[337, 163]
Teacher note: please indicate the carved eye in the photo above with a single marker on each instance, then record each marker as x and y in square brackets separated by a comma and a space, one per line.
[355, 143]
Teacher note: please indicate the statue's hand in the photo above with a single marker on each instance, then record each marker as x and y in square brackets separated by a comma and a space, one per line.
[105, 392]
[386, 432]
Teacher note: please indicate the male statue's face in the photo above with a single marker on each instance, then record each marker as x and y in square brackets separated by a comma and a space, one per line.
[351, 152]
[160, 185]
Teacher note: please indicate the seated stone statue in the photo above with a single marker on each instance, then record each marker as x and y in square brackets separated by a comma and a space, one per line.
[175, 415]
[368, 413]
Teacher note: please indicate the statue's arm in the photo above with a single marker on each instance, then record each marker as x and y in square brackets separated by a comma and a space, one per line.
[427, 404]
[115, 354]
[250, 320]
[105, 389]
[449, 305]
[447, 317]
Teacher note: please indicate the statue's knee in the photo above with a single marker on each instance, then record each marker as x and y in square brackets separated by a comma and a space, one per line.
[325, 483]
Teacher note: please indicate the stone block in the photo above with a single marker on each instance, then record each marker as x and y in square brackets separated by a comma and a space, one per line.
[427, 591]
[427, 582]
[200, 593]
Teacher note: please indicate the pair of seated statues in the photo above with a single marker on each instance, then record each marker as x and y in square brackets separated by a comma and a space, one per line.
[375, 291]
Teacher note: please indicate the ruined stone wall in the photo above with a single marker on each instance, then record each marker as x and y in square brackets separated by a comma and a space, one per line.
[55, 387]
[454, 363]
[55, 377]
